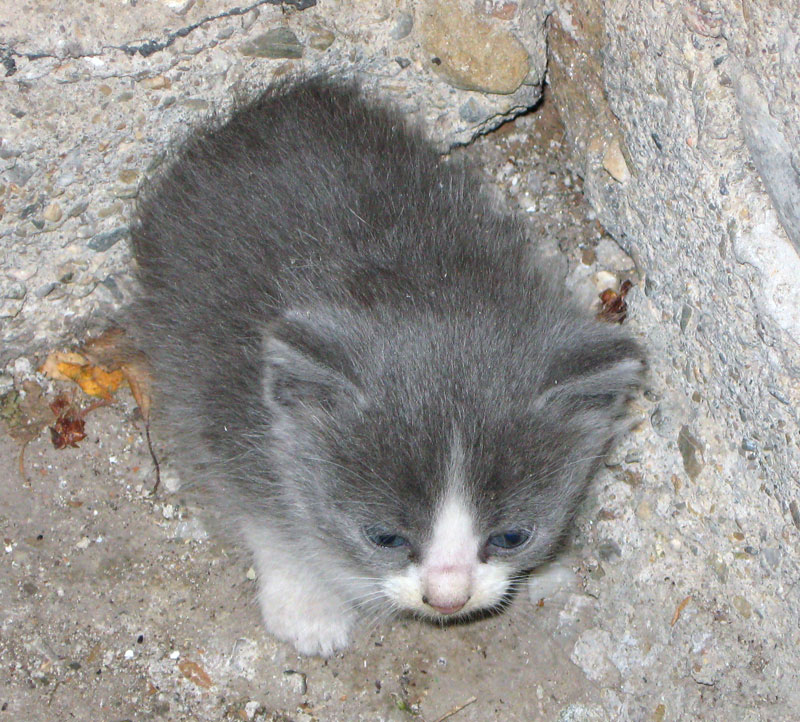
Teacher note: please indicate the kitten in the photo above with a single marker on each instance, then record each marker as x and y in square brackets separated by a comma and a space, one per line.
[391, 407]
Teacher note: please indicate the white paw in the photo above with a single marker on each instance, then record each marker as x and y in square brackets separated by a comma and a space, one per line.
[313, 637]
[298, 610]
[313, 629]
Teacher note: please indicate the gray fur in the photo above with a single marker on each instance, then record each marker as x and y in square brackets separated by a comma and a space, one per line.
[325, 304]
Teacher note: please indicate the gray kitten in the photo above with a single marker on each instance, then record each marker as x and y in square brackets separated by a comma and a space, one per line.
[389, 405]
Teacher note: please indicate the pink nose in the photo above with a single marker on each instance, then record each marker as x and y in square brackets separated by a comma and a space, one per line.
[445, 608]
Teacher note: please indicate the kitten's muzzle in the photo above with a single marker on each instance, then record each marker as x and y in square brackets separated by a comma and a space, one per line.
[451, 608]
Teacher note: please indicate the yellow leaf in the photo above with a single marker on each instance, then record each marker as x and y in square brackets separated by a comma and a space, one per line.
[70, 366]
[50, 367]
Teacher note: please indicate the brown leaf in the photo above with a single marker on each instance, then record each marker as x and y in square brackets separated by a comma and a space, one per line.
[138, 379]
[113, 350]
[194, 673]
[613, 308]
[69, 427]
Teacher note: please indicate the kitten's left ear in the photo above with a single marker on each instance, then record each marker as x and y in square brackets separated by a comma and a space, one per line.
[306, 365]
[591, 386]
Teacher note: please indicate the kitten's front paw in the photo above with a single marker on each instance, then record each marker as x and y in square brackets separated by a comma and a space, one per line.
[313, 637]
[315, 626]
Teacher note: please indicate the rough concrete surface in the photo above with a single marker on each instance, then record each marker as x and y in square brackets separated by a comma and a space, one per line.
[679, 599]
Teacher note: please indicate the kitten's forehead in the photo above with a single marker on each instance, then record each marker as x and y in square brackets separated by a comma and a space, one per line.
[456, 468]
[453, 541]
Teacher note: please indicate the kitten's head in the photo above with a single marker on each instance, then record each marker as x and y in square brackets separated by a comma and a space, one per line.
[443, 464]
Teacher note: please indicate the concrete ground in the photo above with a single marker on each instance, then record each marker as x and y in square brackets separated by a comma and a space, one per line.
[115, 604]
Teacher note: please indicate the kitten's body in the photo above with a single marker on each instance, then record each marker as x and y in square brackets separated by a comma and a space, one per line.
[360, 367]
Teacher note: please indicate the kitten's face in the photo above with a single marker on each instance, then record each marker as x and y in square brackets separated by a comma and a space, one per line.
[445, 522]
[441, 487]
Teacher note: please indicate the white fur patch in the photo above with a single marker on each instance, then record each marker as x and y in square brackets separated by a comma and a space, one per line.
[298, 603]
[451, 579]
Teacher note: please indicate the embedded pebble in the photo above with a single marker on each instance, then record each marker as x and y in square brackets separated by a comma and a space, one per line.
[402, 27]
[691, 453]
[53, 213]
[666, 419]
[611, 257]
[190, 529]
[128, 176]
[15, 290]
[589, 653]
[297, 681]
[77, 209]
[468, 52]
[158, 82]
[320, 38]
[280, 42]
[170, 479]
[582, 713]
[614, 162]
[741, 605]
[103, 241]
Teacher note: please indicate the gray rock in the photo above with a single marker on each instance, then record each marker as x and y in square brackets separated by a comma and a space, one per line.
[104, 241]
[279, 42]
[402, 27]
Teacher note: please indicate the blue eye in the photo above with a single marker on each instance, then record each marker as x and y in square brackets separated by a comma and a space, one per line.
[382, 538]
[509, 539]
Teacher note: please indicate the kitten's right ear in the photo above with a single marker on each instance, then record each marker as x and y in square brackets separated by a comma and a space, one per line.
[305, 365]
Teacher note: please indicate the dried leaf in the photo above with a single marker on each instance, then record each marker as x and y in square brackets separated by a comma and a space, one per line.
[50, 367]
[613, 308]
[138, 379]
[112, 350]
[194, 673]
[71, 366]
[69, 427]
[105, 350]
[92, 379]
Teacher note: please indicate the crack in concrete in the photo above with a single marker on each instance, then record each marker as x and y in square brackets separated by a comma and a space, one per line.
[149, 47]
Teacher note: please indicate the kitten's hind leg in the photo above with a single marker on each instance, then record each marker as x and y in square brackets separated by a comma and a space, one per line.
[299, 606]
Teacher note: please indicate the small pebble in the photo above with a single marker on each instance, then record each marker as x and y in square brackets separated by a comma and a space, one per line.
[53, 213]
[320, 38]
[614, 162]
[297, 680]
[156, 83]
[77, 209]
[402, 28]
[128, 176]
[279, 42]
[741, 605]
[103, 241]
